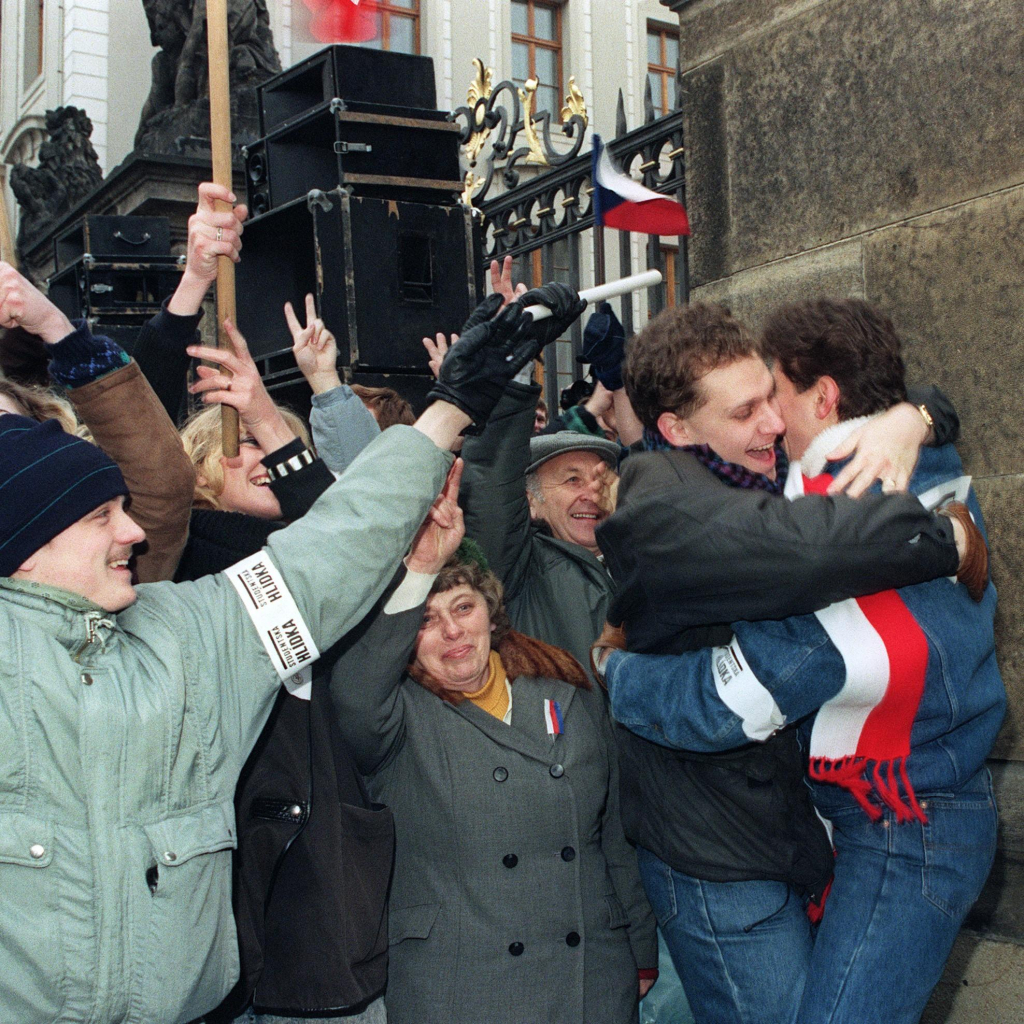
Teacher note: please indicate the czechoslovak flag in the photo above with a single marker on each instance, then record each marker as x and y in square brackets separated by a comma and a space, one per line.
[620, 202]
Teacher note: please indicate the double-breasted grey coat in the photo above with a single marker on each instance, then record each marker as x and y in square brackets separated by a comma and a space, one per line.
[516, 897]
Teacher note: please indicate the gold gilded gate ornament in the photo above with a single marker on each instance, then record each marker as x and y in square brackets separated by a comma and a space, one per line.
[479, 89]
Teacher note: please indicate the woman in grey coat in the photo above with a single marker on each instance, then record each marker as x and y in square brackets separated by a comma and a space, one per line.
[516, 898]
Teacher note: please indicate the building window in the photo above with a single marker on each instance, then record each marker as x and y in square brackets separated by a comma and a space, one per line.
[537, 50]
[669, 256]
[662, 61]
[398, 26]
[33, 40]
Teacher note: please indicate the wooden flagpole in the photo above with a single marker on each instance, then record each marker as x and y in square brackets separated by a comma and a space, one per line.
[220, 150]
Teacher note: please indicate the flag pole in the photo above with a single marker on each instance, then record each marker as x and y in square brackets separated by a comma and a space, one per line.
[220, 152]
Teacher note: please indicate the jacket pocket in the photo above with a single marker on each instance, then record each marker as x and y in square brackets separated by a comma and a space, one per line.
[190, 958]
[32, 960]
[412, 922]
[617, 916]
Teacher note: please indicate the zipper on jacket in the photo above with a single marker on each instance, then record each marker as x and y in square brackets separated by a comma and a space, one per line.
[92, 621]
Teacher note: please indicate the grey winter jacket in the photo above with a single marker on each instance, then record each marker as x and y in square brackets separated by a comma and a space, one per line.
[516, 898]
[121, 740]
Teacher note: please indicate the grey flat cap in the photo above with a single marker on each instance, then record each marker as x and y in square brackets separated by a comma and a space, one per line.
[547, 446]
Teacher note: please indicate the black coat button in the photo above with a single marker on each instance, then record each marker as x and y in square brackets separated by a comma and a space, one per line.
[572, 939]
[568, 854]
[516, 949]
[500, 774]
[557, 771]
[510, 860]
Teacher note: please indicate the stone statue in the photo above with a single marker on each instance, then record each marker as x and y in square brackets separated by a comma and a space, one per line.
[68, 171]
[176, 115]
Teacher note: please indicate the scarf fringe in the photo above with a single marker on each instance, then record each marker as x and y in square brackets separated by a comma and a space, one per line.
[816, 908]
[857, 776]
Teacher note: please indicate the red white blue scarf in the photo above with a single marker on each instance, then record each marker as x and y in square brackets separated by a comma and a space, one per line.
[860, 739]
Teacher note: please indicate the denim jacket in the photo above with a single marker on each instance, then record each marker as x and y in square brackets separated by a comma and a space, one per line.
[680, 700]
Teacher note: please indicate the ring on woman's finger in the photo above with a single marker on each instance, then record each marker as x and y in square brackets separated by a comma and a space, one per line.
[220, 234]
[889, 484]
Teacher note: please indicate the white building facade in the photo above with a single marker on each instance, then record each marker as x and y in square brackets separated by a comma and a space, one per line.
[96, 54]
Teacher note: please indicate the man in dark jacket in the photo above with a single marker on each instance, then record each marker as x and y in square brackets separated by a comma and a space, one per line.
[730, 845]
[905, 687]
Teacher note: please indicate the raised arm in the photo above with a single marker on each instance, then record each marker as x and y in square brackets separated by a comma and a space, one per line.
[342, 426]
[366, 683]
[114, 400]
[160, 349]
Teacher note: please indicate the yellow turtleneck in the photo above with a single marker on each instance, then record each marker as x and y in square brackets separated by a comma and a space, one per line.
[493, 697]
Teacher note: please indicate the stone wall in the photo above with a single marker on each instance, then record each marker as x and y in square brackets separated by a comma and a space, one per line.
[874, 148]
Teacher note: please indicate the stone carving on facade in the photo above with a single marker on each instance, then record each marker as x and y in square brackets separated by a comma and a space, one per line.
[176, 114]
[68, 171]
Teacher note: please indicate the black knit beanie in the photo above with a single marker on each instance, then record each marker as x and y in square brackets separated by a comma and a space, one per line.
[48, 480]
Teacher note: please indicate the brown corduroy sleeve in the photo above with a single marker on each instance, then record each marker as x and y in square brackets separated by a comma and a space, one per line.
[129, 423]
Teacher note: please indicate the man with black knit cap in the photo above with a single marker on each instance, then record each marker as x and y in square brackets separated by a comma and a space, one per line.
[126, 715]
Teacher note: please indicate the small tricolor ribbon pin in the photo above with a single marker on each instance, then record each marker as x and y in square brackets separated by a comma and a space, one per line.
[553, 717]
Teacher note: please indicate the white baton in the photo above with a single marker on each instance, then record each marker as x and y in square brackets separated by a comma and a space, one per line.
[646, 279]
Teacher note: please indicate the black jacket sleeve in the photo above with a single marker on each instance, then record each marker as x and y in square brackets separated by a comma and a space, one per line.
[160, 352]
[686, 550]
[296, 491]
[946, 422]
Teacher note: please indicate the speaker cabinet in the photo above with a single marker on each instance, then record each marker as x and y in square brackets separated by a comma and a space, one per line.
[384, 274]
[414, 159]
[112, 238]
[114, 292]
[360, 77]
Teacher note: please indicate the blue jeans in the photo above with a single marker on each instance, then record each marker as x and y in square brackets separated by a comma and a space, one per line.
[741, 948]
[897, 902]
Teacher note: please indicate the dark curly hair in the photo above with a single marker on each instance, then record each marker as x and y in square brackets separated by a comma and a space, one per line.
[846, 339]
[665, 362]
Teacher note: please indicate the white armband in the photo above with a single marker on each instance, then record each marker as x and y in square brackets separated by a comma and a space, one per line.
[264, 595]
[744, 695]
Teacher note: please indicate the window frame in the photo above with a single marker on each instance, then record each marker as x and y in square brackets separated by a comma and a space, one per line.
[531, 42]
[387, 9]
[666, 74]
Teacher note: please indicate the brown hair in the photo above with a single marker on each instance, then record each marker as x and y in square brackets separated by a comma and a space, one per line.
[665, 362]
[848, 340]
[201, 436]
[521, 655]
[386, 404]
[40, 404]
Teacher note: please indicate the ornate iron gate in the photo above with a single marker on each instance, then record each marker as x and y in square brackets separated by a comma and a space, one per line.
[547, 215]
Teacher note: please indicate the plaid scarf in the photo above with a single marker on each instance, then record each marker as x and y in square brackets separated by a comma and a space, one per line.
[728, 472]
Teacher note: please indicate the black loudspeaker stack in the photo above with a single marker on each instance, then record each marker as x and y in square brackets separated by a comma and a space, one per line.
[353, 196]
[115, 271]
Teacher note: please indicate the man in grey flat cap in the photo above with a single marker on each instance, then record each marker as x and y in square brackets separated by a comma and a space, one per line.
[533, 504]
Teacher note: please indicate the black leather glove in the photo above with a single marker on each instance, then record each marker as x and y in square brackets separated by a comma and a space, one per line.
[604, 346]
[483, 312]
[565, 306]
[477, 368]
